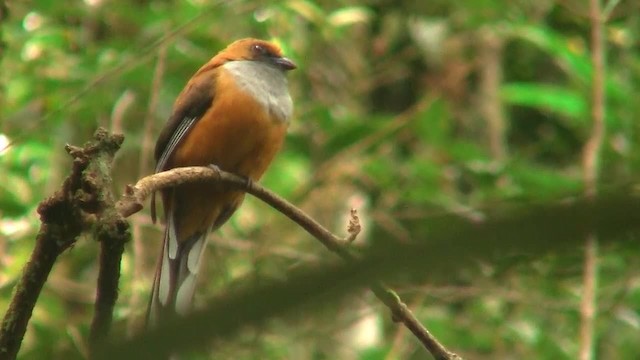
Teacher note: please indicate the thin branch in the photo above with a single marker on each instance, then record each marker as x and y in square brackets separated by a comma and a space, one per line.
[593, 147]
[558, 227]
[112, 234]
[135, 196]
[490, 106]
[124, 102]
[354, 227]
[588, 304]
[112, 231]
[54, 237]
[591, 172]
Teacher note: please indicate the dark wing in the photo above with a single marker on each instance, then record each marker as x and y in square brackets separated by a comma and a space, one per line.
[180, 131]
[192, 104]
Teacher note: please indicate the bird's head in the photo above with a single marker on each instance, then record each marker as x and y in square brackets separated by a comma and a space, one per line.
[257, 50]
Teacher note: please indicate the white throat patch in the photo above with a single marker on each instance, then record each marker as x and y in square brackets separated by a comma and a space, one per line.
[266, 83]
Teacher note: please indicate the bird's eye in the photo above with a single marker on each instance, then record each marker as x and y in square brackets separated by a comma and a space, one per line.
[258, 49]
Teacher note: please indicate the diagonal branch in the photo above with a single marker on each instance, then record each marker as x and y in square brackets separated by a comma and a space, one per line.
[531, 231]
[135, 196]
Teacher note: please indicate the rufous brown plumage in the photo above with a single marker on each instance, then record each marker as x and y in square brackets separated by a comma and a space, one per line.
[233, 114]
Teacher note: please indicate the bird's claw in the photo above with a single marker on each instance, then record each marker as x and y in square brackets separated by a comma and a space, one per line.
[215, 168]
[248, 183]
[247, 180]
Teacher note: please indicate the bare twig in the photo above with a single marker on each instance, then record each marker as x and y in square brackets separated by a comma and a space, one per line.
[589, 303]
[57, 233]
[120, 108]
[399, 340]
[354, 227]
[560, 227]
[490, 102]
[112, 233]
[591, 167]
[593, 147]
[135, 195]
[111, 229]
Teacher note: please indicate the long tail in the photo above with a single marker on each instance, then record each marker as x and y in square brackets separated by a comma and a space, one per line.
[176, 274]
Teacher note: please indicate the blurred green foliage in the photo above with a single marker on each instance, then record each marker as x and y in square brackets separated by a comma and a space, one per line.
[404, 110]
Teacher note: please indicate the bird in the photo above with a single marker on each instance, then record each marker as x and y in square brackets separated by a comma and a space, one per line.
[233, 115]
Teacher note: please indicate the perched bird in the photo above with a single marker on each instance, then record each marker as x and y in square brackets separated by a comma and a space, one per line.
[232, 114]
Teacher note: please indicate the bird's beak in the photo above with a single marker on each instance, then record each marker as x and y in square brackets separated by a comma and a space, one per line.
[284, 63]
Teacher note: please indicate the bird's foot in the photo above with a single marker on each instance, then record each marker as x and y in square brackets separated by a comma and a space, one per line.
[215, 168]
[248, 183]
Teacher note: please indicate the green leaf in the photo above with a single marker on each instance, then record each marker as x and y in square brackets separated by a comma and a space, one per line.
[374, 353]
[433, 125]
[285, 175]
[544, 183]
[552, 98]
[574, 59]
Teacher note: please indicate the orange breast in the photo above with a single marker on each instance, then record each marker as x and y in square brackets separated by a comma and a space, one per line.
[236, 130]
[237, 135]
